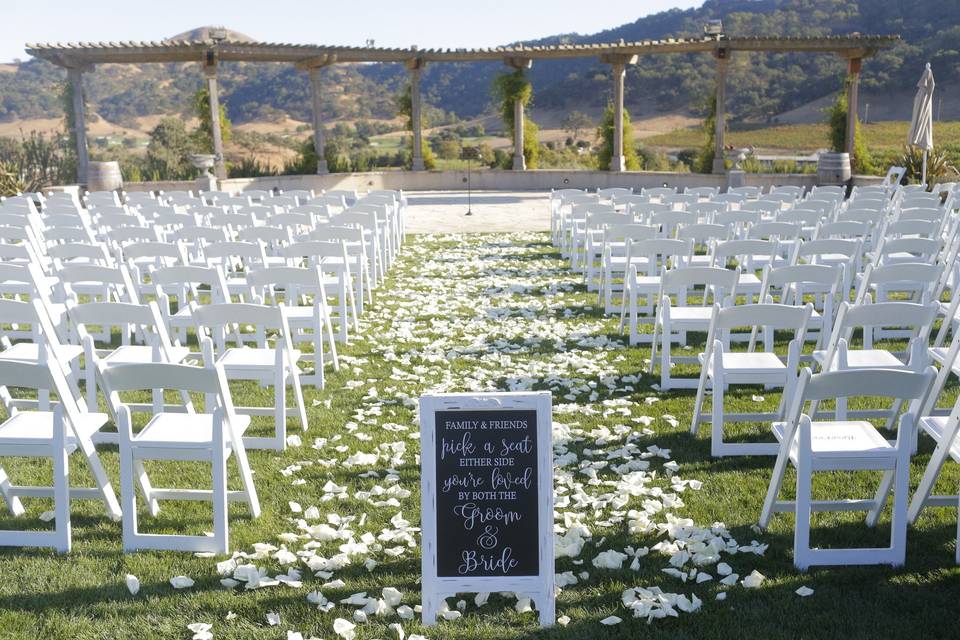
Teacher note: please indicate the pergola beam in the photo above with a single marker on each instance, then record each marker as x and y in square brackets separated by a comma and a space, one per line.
[77, 54]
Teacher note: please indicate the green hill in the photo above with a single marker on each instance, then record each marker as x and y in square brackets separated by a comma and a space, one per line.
[760, 85]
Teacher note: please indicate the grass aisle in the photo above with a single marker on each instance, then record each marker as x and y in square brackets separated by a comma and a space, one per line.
[636, 494]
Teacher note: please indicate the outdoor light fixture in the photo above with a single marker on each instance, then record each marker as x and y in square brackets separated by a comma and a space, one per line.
[217, 34]
[713, 28]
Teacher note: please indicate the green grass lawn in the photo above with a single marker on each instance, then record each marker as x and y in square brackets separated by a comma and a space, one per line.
[473, 313]
[806, 138]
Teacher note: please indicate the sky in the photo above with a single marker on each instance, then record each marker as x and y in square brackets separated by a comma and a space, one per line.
[390, 23]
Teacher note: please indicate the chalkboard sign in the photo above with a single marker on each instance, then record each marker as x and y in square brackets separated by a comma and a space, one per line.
[487, 497]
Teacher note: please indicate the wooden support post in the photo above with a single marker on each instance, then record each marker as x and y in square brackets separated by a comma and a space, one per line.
[519, 160]
[619, 66]
[318, 138]
[853, 83]
[75, 76]
[416, 114]
[617, 161]
[720, 122]
[210, 71]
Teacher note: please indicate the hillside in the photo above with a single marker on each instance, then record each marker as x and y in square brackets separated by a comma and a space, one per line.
[761, 86]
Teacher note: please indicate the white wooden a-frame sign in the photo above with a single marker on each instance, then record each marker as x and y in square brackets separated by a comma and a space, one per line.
[481, 410]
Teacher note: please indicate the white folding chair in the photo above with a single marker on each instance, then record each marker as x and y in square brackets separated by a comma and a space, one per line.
[721, 367]
[53, 434]
[212, 436]
[812, 445]
[303, 292]
[243, 324]
[673, 321]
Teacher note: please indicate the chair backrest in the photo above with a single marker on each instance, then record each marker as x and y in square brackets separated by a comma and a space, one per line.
[660, 253]
[912, 387]
[291, 282]
[128, 318]
[718, 282]
[243, 322]
[918, 318]
[115, 280]
[209, 380]
[44, 375]
[902, 276]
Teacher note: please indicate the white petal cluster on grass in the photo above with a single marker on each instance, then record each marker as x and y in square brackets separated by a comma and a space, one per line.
[479, 314]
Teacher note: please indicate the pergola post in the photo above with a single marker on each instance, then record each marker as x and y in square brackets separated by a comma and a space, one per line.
[416, 117]
[519, 161]
[720, 121]
[210, 71]
[619, 67]
[853, 82]
[75, 76]
[318, 139]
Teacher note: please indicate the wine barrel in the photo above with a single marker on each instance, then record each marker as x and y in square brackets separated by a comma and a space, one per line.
[104, 176]
[833, 169]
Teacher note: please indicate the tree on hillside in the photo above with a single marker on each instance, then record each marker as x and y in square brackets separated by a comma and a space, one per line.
[508, 88]
[605, 134]
[575, 122]
[168, 151]
[404, 101]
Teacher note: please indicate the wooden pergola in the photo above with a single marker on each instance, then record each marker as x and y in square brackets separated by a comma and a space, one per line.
[79, 58]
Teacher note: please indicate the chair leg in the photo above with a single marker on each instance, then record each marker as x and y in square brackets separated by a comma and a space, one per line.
[146, 488]
[61, 487]
[880, 498]
[698, 403]
[101, 478]
[801, 534]
[280, 404]
[220, 527]
[716, 418]
[246, 477]
[14, 506]
[128, 496]
[298, 398]
[776, 482]
[898, 523]
[930, 474]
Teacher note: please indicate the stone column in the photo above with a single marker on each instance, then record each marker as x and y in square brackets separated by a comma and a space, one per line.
[318, 141]
[720, 122]
[617, 161]
[416, 114]
[619, 65]
[519, 161]
[853, 83]
[210, 70]
[75, 76]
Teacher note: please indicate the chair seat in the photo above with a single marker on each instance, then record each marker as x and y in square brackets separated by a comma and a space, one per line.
[841, 439]
[36, 427]
[250, 358]
[935, 426]
[139, 354]
[866, 359]
[183, 431]
[691, 314]
[30, 352]
[760, 362]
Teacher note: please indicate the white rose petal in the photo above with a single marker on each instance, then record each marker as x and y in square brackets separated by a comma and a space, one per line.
[754, 580]
[133, 584]
[804, 592]
[611, 620]
[181, 582]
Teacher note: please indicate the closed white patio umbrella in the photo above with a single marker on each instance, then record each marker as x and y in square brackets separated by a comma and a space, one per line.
[921, 124]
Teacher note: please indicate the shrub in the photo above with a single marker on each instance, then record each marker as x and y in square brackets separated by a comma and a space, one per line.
[605, 133]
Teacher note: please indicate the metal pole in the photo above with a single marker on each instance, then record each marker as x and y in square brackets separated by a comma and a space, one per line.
[469, 188]
[923, 179]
